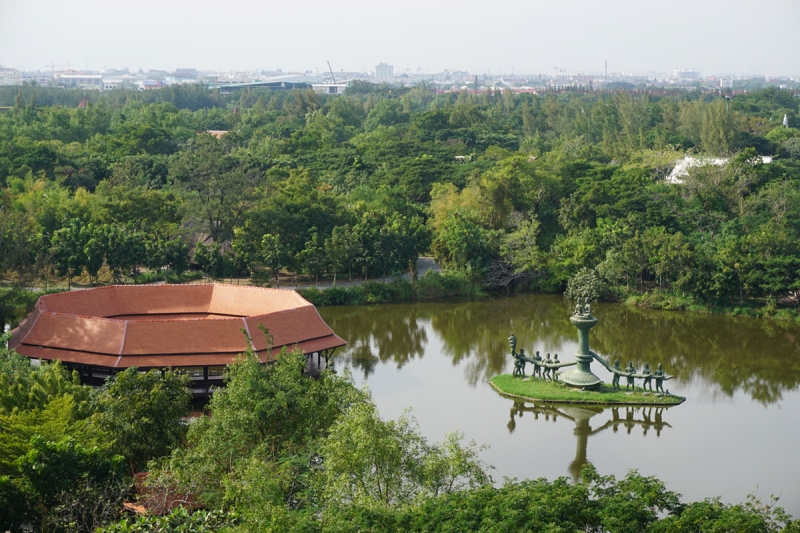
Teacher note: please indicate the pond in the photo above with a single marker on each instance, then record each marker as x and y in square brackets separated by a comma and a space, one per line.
[737, 433]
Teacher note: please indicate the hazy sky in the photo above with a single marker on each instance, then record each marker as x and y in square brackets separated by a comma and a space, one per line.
[720, 36]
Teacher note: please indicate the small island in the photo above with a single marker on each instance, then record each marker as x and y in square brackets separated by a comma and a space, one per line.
[548, 383]
[557, 392]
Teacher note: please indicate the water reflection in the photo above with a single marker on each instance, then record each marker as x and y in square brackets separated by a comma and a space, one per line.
[727, 355]
[627, 417]
[758, 357]
[378, 334]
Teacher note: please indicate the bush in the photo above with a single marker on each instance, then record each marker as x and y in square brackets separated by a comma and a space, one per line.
[587, 283]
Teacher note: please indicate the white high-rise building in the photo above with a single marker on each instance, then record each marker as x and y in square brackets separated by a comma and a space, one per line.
[384, 71]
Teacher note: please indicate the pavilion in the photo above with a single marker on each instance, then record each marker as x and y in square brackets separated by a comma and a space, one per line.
[196, 329]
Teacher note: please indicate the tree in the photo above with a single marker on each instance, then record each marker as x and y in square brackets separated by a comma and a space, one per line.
[268, 414]
[94, 250]
[368, 461]
[274, 255]
[211, 260]
[176, 255]
[313, 256]
[342, 250]
[124, 249]
[463, 244]
[143, 414]
[68, 250]
[587, 283]
[67, 483]
[220, 181]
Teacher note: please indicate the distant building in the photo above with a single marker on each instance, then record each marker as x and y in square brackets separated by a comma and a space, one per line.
[329, 88]
[726, 83]
[686, 74]
[150, 85]
[81, 80]
[384, 71]
[10, 76]
[682, 166]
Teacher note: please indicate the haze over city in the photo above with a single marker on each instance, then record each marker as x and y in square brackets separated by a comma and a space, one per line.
[736, 38]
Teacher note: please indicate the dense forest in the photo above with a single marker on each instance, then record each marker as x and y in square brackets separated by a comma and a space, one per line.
[512, 191]
[507, 191]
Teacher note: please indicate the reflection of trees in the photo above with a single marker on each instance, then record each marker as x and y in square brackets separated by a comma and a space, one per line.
[644, 417]
[758, 357]
[478, 331]
[377, 334]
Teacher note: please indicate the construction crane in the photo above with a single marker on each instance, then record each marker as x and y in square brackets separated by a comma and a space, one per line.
[329, 68]
[53, 67]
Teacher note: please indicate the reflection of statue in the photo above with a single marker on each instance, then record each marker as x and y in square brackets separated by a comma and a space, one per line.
[630, 370]
[583, 430]
[615, 379]
[648, 378]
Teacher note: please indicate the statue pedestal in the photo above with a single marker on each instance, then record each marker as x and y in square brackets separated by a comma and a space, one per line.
[581, 375]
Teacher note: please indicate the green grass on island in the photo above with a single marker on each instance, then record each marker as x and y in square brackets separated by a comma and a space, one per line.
[549, 391]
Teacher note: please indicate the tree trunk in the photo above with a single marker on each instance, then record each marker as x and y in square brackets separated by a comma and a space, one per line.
[334, 279]
[740, 291]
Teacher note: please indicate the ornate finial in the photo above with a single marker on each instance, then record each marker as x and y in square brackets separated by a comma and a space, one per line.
[578, 308]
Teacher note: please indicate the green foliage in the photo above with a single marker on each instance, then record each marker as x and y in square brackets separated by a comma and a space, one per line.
[430, 286]
[70, 487]
[587, 283]
[518, 191]
[178, 521]
[269, 413]
[143, 414]
[371, 462]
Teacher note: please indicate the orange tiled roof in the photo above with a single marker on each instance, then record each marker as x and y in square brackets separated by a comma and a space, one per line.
[168, 325]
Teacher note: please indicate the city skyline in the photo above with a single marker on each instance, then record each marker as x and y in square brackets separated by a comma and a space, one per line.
[428, 37]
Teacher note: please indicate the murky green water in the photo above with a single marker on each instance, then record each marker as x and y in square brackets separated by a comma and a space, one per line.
[738, 431]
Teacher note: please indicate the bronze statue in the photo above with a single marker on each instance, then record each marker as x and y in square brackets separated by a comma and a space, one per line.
[547, 361]
[555, 370]
[630, 371]
[512, 340]
[648, 378]
[519, 367]
[615, 379]
[587, 308]
[660, 378]
[578, 309]
[537, 368]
